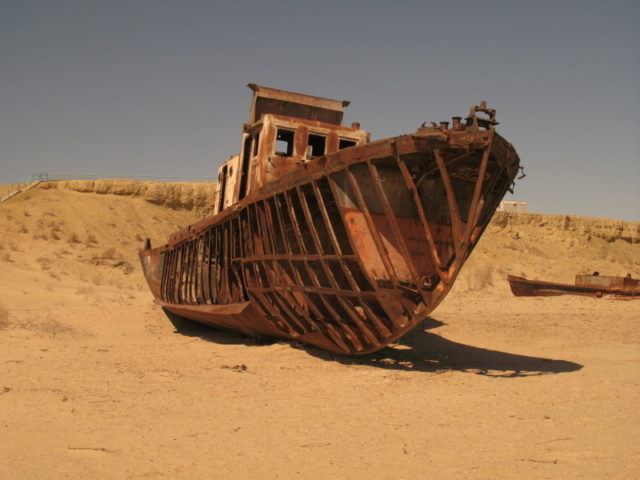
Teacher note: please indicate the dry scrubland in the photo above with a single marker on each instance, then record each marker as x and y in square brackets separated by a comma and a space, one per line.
[95, 381]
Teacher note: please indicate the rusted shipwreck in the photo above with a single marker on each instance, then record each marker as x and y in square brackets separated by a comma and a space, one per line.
[595, 285]
[321, 236]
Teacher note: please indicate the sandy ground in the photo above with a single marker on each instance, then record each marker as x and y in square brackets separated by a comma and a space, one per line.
[97, 382]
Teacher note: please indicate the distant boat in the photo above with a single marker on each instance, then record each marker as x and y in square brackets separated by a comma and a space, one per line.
[321, 236]
[588, 285]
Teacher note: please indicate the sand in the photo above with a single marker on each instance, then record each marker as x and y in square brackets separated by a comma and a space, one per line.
[97, 382]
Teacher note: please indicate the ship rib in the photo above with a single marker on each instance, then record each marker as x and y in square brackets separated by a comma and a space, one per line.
[454, 213]
[433, 249]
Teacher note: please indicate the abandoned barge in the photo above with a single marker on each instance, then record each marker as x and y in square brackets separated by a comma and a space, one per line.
[595, 285]
[321, 236]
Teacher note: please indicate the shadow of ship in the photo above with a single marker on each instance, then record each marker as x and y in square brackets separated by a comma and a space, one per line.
[419, 351]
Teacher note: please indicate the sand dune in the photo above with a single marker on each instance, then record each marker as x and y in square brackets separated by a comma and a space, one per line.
[97, 381]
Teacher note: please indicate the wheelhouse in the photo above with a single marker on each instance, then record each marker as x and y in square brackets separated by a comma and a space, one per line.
[286, 130]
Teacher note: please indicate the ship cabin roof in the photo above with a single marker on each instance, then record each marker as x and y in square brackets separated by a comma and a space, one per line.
[279, 102]
[285, 131]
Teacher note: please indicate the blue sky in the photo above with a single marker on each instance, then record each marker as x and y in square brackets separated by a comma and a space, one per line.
[158, 87]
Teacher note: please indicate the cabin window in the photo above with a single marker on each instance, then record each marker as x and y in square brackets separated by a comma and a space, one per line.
[316, 145]
[344, 143]
[256, 142]
[222, 179]
[244, 168]
[284, 143]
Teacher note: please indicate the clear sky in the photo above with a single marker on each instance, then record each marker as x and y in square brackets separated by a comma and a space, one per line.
[155, 87]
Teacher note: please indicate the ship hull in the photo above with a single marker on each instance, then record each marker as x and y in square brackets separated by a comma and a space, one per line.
[522, 287]
[347, 253]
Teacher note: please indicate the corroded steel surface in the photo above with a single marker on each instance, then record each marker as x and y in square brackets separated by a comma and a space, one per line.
[585, 285]
[347, 251]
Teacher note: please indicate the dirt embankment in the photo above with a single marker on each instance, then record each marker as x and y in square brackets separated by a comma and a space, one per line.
[604, 228]
[196, 197]
[9, 188]
[551, 247]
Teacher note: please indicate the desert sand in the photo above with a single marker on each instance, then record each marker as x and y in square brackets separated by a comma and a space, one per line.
[97, 382]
